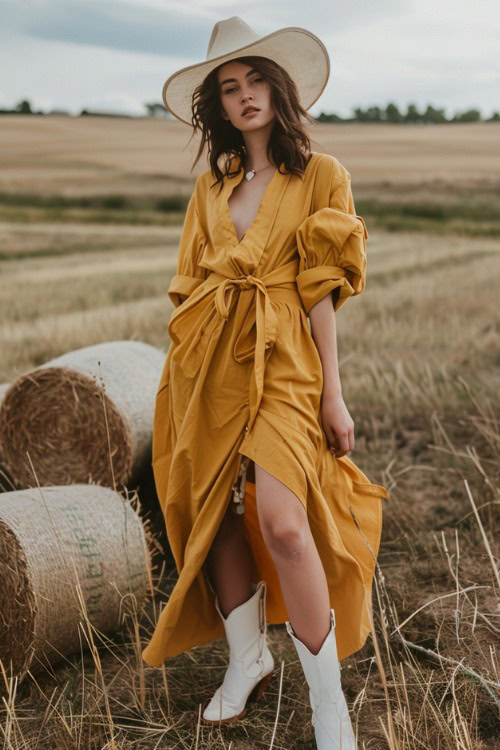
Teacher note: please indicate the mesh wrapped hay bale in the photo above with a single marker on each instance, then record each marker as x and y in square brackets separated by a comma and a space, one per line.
[60, 546]
[75, 413]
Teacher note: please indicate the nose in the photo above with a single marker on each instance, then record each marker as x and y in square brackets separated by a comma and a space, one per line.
[245, 95]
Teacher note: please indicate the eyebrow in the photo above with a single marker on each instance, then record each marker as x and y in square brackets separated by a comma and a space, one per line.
[230, 80]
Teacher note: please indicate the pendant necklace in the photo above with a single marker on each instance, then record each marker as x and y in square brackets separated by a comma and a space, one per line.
[251, 174]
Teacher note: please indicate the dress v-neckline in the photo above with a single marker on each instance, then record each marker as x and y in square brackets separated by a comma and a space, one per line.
[259, 210]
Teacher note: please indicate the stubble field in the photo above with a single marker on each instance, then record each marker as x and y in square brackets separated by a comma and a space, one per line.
[90, 216]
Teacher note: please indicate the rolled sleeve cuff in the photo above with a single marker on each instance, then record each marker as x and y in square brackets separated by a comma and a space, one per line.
[182, 286]
[315, 283]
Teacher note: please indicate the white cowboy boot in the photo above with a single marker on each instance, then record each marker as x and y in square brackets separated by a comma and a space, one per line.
[251, 663]
[330, 717]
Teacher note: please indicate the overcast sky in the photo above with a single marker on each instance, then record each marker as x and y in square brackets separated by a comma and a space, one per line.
[115, 55]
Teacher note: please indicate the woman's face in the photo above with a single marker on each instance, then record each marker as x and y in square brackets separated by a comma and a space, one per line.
[240, 87]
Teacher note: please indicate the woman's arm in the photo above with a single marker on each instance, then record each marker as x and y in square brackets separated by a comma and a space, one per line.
[337, 422]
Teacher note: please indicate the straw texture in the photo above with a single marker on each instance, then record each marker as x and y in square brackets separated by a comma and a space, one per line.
[59, 547]
[74, 412]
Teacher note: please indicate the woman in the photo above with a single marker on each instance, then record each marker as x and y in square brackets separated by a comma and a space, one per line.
[249, 391]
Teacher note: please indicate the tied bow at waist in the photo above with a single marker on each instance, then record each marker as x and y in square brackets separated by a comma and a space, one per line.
[196, 325]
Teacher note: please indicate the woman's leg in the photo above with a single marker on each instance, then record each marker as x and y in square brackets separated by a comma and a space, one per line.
[242, 606]
[228, 563]
[286, 532]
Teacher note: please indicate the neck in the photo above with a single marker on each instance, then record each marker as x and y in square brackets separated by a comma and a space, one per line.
[256, 143]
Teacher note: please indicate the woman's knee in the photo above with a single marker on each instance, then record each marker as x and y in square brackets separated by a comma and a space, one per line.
[286, 539]
[282, 518]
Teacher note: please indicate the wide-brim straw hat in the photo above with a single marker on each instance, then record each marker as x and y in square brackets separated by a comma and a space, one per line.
[297, 50]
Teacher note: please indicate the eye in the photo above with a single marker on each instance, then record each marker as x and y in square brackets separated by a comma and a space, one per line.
[228, 91]
[257, 79]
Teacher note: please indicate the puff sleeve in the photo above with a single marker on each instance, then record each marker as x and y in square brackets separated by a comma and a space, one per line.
[189, 275]
[332, 248]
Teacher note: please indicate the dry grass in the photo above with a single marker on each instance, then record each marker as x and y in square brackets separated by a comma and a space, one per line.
[137, 173]
[32, 240]
[419, 365]
[430, 682]
[96, 155]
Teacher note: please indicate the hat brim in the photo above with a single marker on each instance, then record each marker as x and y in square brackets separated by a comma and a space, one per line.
[297, 50]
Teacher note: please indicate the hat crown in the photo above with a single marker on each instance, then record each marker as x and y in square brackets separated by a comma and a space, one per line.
[228, 35]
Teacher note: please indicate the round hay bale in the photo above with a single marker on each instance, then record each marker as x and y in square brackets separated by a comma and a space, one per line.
[86, 416]
[67, 555]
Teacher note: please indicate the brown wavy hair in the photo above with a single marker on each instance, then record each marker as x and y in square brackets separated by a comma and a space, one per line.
[289, 143]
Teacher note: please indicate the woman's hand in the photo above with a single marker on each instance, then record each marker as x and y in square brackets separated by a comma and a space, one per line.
[337, 424]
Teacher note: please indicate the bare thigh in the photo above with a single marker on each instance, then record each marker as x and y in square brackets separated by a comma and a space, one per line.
[282, 517]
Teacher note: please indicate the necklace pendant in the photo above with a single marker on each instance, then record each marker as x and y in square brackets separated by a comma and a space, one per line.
[250, 175]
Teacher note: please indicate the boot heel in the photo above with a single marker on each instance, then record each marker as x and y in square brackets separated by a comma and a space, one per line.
[260, 688]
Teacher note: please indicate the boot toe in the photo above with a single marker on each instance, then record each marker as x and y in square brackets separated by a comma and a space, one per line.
[223, 707]
[220, 709]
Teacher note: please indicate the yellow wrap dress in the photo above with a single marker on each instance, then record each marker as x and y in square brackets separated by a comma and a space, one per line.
[243, 378]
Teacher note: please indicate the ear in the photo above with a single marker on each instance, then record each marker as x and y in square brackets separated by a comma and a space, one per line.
[223, 114]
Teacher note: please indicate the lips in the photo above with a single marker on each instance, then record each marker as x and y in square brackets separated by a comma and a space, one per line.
[249, 109]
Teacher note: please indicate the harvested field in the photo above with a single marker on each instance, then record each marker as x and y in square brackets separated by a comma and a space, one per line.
[420, 372]
[96, 155]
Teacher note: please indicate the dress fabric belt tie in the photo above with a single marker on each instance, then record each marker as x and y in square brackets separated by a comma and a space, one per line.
[196, 325]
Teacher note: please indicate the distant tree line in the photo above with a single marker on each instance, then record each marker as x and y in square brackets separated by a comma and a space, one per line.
[22, 108]
[392, 113]
[153, 109]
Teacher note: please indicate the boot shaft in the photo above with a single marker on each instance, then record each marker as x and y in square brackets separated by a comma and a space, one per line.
[321, 670]
[246, 627]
